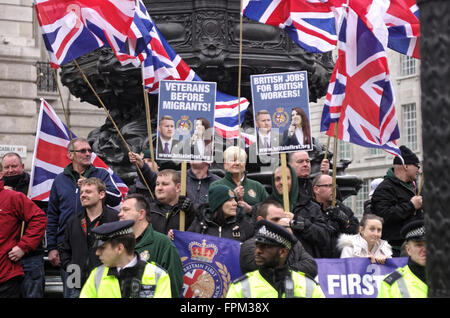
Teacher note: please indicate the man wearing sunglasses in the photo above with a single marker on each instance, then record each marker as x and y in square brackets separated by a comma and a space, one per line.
[64, 200]
[396, 199]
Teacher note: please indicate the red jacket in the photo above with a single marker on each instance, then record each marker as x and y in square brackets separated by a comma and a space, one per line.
[15, 207]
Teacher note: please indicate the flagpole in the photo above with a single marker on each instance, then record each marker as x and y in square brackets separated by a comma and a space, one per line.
[328, 147]
[333, 202]
[113, 122]
[239, 86]
[66, 116]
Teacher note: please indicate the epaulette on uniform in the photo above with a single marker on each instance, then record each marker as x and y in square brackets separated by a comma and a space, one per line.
[392, 277]
[240, 279]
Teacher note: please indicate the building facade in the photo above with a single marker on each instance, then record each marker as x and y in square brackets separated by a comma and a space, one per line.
[25, 78]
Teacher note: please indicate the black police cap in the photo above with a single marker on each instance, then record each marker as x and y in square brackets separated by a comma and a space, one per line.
[413, 230]
[273, 234]
[108, 231]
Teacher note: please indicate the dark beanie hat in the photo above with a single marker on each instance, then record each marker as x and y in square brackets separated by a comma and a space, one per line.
[147, 153]
[408, 156]
[218, 195]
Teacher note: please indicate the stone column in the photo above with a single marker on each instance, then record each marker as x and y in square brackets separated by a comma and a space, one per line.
[435, 75]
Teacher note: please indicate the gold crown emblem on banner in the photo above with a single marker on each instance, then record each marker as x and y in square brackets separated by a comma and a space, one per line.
[202, 252]
[184, 117]
[280, 109]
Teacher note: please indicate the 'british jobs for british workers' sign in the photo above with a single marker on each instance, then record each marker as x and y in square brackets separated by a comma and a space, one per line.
[186, 121]
[281, 112]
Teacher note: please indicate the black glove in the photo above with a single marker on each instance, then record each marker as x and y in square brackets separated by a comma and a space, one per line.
[335, 214]
[184, 203]
[299, 223]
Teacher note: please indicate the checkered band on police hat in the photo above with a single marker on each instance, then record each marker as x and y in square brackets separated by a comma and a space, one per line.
[414, 230]
[271, 233]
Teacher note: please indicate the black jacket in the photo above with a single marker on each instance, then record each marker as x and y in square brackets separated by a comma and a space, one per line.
[197, 189]
[321, 229]
[317, 235]
[391, 201]
[76, 249]
[165, 217]
[298, 259]
[235, 227]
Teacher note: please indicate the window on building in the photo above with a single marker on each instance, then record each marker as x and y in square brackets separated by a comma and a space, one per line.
[344, 150]
[409, 133]
[375, 151]
[408, 65]
[363, 195]
[45, 77]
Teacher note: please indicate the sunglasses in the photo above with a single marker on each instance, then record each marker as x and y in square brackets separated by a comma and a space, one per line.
[83, 150]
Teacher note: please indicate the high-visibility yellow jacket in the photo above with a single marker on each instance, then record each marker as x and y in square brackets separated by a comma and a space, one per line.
[402, 283]
[253, 285]
[155, 283]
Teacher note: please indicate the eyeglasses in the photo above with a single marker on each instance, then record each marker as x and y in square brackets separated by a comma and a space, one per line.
[416, 165]
[324, 185]
[83, 150]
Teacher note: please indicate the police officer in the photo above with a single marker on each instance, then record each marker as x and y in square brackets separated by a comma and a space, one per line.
[409, 281]
[123, 274]
[273, 278]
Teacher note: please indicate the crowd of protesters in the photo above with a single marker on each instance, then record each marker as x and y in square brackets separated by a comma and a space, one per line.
[234, 207]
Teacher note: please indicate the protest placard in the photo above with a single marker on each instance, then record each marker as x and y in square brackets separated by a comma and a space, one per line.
[281, 112]
[186, 121]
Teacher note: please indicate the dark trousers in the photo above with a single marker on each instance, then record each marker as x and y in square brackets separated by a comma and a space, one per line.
[34, 281]
[11, 288]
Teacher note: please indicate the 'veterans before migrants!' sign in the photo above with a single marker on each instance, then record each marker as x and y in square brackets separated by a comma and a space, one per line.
[186, 121]
[281, 112]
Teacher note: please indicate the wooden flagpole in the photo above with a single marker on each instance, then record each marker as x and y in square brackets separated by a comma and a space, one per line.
[333, 203]
[113, 122]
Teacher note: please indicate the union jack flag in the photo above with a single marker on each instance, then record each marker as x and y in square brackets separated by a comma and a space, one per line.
[72, 28]
[309, 23]
[161, 62]
[50, 155]
[402, 20]
[360, 97]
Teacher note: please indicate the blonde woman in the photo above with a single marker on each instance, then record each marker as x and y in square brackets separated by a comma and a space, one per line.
[368, 242]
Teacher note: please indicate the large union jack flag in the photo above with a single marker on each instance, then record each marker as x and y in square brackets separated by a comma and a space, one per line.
[50, 155]
[360, 97]
[72, 28]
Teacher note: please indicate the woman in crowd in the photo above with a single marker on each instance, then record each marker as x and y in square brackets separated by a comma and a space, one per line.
[221, 216]
[368, 242]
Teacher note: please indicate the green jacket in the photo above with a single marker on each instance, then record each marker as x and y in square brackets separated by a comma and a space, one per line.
[153, 246]
[253, 285]
[402, 283]
[254, 191]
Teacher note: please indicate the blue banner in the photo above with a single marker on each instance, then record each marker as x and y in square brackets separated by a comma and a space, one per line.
[210, 264]
[354, 277]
